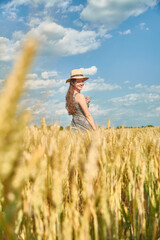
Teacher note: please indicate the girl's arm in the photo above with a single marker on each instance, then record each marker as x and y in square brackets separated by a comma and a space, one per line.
[80, 99]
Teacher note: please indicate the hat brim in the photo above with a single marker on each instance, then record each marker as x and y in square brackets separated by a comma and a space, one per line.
[84, 78]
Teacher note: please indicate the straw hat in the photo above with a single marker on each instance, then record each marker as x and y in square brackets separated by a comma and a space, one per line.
[76, 74]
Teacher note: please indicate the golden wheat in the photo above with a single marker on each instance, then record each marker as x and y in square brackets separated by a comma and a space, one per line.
[61, 185]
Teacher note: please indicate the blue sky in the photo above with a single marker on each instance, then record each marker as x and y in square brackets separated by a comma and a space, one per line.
[115, 42]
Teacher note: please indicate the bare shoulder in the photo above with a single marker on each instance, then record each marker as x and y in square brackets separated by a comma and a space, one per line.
[80, 97]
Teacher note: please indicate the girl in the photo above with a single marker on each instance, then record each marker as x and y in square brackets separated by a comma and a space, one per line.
[76, 104]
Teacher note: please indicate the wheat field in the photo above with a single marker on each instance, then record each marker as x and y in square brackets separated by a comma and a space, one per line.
[60, 185]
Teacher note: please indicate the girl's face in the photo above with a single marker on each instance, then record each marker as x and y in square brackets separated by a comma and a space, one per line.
[78, 84]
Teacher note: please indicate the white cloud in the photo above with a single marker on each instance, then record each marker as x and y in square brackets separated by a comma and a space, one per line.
[97, 110]
[136, 98]
[37, 84]
[151, 97]
[75, 8]
[78, 23]
[108, 36]
[154, 88]
[89, 71]
[32, 76]
[63, 89]
[17, 35]
[52, 109]
[59, 107]
[112, 12]
[61, 111]
[6, 49]
[60, 41]
[34, 21]
[47, 75]
[9, 48]
[33, 82]
[9, 12]
[103, 32]
[48, 3]
[158, 109]
[127, 100]
[48, 93]
[99, 85]
[143, 26]
[33, 105]
[140, 86]
[125, 32]
[55, 41]
[148, 89]
[126, 82]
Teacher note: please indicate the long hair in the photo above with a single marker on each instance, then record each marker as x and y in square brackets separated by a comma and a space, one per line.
[70, 106]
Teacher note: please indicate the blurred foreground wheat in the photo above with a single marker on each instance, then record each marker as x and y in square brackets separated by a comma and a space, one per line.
[61, 185]
[11, 137]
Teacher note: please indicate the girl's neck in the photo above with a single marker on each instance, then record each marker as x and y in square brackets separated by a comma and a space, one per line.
[76, 91]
